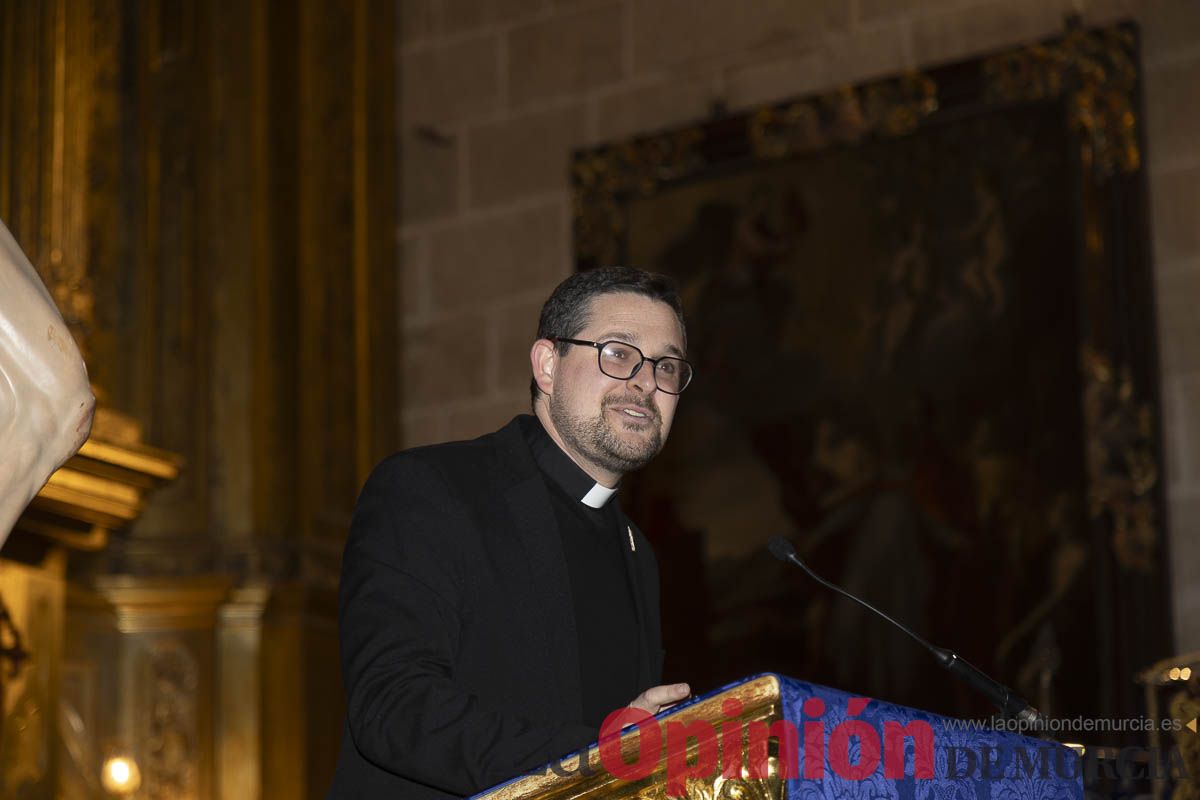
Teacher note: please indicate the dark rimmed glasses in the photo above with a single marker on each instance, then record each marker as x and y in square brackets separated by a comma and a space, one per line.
[622, 361]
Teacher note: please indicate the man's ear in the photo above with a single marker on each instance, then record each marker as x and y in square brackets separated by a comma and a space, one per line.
[543, 356]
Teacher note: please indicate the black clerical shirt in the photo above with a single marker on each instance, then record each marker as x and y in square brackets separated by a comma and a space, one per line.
[592, 538]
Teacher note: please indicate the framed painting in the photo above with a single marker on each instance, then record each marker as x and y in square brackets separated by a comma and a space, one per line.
[921, 315]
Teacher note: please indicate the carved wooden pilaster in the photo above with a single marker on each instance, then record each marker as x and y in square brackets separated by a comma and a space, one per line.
[208, 189]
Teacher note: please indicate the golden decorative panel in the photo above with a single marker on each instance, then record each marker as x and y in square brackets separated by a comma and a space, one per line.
[34, 597]
[760, 702]
[208, 189]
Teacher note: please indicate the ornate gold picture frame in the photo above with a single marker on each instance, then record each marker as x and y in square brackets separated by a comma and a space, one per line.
[922, 316]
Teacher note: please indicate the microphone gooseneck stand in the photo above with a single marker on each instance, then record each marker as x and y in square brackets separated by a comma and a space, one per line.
[1011, 705]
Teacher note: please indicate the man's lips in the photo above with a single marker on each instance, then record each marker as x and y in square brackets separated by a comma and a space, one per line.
[635, 412]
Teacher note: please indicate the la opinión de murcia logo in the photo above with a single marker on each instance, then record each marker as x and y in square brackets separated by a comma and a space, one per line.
[740, 749]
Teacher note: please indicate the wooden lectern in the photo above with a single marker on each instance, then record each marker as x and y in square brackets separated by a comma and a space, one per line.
[774, 738]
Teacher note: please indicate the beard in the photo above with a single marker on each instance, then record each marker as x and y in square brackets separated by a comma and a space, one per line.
[595, 439]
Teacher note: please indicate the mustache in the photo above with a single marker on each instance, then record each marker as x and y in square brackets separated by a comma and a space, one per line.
[635, 400]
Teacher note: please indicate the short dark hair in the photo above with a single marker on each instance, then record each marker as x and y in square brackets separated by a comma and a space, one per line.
[567, 310]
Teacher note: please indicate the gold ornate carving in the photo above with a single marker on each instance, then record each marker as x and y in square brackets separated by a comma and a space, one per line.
[153, 640]
[168, 721]
[1098, 72]
[1121, 465]
[722, 788]
[760, 702]
[604, 178]
[887, 108]
[63, 255]
[102, 488]
[1095, 71]
[34, 597]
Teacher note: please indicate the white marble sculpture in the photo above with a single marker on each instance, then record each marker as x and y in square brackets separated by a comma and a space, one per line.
[46, 403]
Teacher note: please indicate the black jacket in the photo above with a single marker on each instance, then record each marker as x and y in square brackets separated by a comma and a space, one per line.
[458, 640]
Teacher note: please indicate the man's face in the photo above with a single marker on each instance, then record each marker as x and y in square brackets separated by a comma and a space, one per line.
[615, 425]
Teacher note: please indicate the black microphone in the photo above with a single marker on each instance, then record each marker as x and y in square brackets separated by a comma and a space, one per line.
[1009, 702]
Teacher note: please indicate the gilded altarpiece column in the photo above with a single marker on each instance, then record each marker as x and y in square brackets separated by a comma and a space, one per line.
[208, 190]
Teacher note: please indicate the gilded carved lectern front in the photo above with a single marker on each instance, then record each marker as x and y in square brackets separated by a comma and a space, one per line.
[770, 737]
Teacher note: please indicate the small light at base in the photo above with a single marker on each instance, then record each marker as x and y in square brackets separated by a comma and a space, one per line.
[120, 775]
[1185, 673]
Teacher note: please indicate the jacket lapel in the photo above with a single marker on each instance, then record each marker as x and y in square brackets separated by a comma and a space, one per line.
[536, 532]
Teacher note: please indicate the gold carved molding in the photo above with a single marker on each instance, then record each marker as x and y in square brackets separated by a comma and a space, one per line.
[1094, 71]
[1097, 72]
[760, 701]
[163, 605]
[604, 178]
[102, 488]
[1122, 469]
[847, 115]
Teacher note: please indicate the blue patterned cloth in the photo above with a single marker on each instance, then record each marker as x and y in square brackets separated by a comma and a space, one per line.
[954, 761]
[1001, 765]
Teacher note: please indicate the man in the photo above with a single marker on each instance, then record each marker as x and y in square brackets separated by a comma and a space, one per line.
[46, 403]
[495, 603]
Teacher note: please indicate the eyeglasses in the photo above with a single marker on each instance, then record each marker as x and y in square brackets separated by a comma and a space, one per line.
[622, 361]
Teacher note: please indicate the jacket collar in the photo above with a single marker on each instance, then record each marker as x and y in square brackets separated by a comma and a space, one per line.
[536, 532]
[560, 468]
[536, 529]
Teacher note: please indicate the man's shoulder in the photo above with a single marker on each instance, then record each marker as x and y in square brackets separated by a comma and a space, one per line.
[453, 461]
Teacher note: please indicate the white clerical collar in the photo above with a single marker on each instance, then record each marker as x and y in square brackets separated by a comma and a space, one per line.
[557, 466]
[598, 496]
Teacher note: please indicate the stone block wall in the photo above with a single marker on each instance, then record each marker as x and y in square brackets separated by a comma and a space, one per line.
[495, 94]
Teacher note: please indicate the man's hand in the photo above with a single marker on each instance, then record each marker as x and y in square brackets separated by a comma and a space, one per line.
[660, 698]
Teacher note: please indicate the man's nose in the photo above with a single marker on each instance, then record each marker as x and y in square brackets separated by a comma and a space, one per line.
[643, 379]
